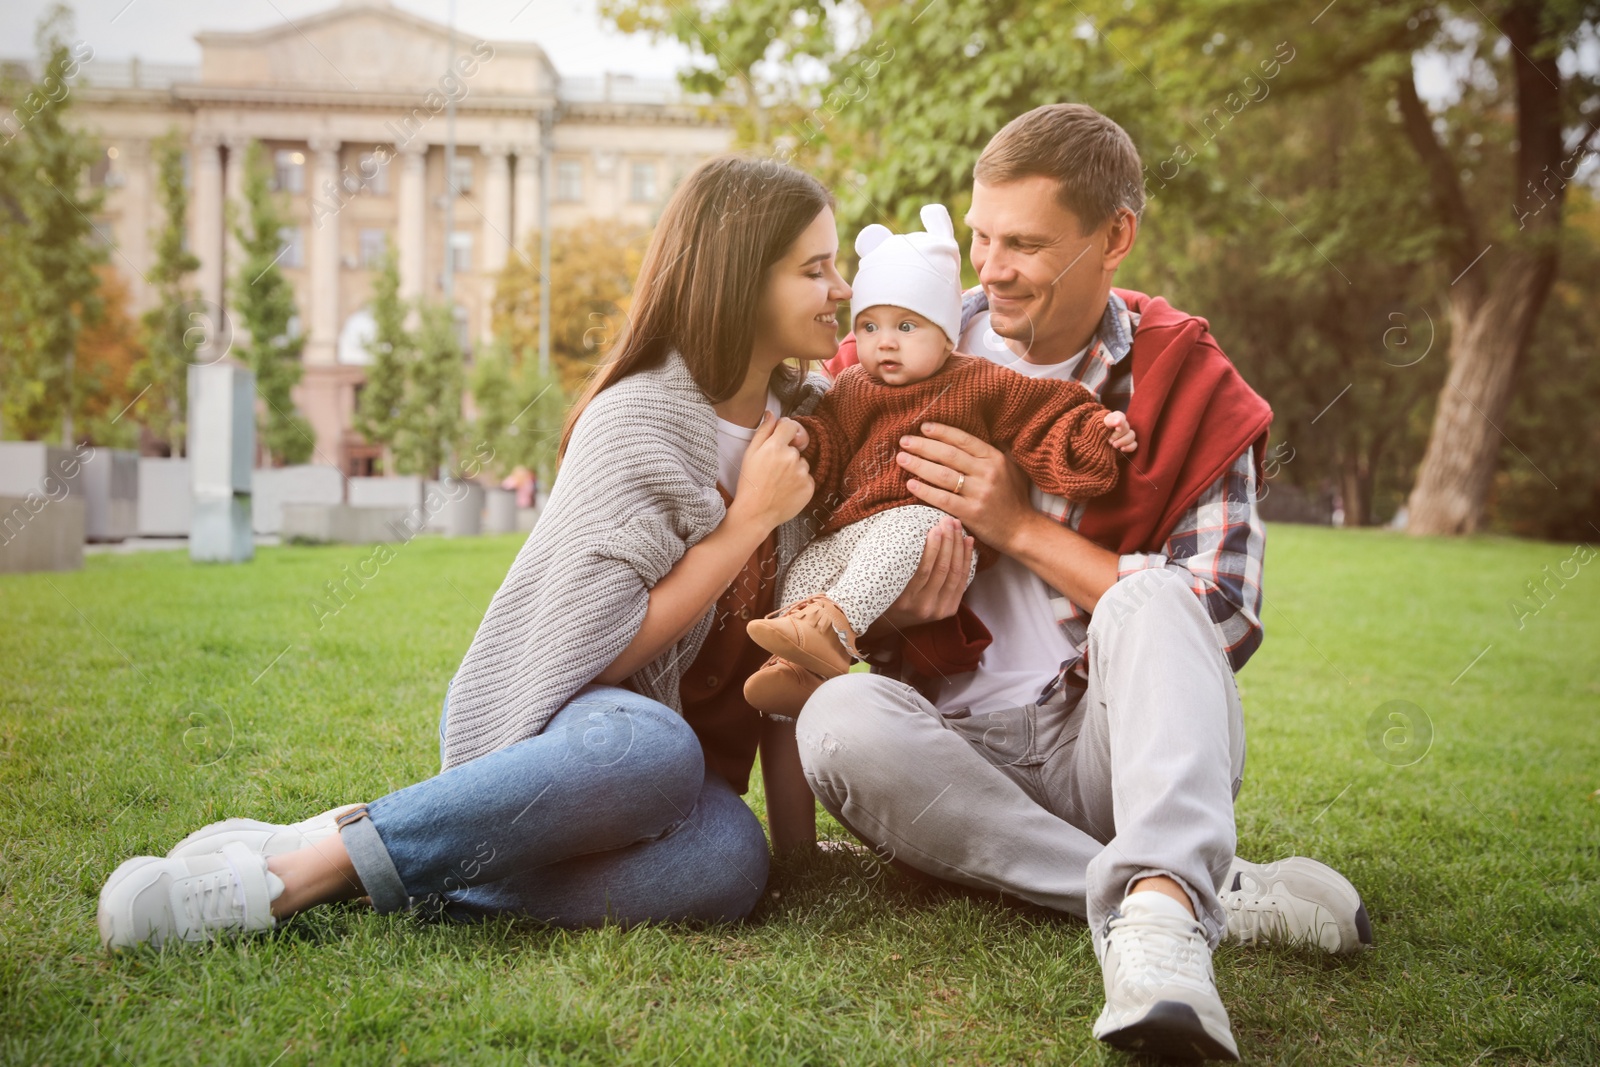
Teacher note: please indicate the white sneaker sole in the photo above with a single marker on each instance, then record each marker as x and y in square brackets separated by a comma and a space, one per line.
[1170, 1029]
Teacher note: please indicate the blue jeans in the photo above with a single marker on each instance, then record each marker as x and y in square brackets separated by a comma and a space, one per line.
[606, 815]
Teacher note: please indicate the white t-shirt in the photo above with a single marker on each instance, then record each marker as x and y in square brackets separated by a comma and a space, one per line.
[1013, 602]
[732, 440]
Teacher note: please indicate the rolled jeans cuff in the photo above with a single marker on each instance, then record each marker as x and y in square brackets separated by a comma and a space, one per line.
[370, 858]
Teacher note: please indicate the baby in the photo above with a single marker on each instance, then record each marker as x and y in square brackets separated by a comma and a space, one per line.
[906, 313]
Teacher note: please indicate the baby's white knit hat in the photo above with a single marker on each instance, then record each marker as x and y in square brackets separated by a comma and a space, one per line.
[920, 272]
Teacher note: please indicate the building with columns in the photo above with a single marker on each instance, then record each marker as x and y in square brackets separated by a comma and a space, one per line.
[350, 105]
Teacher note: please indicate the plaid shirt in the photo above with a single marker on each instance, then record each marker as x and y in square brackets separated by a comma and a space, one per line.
[1217, 546]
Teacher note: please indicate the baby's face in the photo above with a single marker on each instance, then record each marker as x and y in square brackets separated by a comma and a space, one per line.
[899, 347]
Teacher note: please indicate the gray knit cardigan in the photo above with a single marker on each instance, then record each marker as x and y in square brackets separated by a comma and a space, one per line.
[637, 487]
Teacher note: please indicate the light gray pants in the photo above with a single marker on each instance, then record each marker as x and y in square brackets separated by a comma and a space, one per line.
[1063, 806]
[864, 567]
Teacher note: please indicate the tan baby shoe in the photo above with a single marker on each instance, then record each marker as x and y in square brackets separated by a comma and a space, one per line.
[780, 688]
[812, 634]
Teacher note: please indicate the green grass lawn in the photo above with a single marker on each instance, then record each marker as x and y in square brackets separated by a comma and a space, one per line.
[145, 696]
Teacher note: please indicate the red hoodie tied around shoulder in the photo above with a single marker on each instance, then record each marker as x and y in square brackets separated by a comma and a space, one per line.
[1194, 415]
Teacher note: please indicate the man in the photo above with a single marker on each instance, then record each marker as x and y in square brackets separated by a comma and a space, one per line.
[1090, 761]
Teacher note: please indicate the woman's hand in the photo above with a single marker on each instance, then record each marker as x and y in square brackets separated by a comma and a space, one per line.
[774, 482]
[992, 502]
[934, 591]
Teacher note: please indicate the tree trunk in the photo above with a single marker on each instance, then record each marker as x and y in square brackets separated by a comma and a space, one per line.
[1486, 346]
[67, 429]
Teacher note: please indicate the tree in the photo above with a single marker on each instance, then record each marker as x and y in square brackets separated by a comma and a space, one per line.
[391, 349]
[48, 254]
[411, 403]
[429, 422]
[176, 329]
[742, 50]
[265, 302]
[1494, 169]
[1449, 213]
[592, 268]
[519, 411]
[109, 351]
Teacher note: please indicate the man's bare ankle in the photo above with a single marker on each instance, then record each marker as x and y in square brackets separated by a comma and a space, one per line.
[1165, 886]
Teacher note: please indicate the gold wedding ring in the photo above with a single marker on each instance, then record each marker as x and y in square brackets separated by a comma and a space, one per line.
[960, 481]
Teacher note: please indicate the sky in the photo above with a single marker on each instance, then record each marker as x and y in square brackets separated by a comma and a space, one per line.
[162, 31]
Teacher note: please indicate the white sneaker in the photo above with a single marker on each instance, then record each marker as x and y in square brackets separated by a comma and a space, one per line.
[1161, 995]
[1296, 900]
[151, 901]
[263, 838]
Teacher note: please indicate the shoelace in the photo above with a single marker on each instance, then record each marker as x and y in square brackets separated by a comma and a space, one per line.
[1161, 950]
[216, 899]
[1251, 918]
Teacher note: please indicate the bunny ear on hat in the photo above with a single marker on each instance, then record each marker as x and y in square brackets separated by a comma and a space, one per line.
[936, 220]
[871, 238]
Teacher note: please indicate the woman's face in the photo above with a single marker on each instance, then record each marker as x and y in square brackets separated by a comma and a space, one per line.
[797, 315]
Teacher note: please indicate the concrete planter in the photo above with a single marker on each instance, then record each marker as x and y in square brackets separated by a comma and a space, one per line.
[38, 533]
[500, 512]
[344, 524]
[166, 502]
[455, 508]
[110, 481]
[35, 467]
[274, 487]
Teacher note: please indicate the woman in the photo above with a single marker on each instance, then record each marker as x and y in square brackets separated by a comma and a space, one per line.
[564, 796]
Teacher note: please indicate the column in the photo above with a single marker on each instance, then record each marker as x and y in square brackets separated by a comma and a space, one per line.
[205, 226]
[412, 225]
[525, 194]
[137, 197]
[233, 189]
[496, 207]
[322, 338]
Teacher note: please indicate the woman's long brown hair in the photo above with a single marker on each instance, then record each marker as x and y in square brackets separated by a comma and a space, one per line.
[702, 276]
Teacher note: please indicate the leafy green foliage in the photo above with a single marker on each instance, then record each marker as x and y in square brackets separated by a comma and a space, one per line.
[520, 412]
[411, 403]
[48, 287]
[265, 303]
[1288, 202]
[392, 352]
[592, 268]
[174, 326]
[429, 422]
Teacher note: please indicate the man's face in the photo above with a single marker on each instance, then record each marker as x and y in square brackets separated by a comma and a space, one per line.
[1035, 263]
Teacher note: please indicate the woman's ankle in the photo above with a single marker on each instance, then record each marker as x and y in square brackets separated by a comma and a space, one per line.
[318, 874]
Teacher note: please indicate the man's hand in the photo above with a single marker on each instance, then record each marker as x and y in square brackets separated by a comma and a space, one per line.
[993, 502]
[934, 591]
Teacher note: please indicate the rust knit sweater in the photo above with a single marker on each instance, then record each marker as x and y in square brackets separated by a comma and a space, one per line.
[1052, 428]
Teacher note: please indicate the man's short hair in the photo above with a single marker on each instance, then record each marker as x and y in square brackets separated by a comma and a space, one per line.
[1092, 158]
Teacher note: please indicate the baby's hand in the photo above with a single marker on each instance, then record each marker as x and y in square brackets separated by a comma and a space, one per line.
[1123, 439]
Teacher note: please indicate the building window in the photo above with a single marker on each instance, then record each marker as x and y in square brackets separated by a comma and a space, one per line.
[374, 244]
[288, 171]
[642, 186]
[462, 178]
[463, 334]
[461, 251]
[569, 180]
[293, 252]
